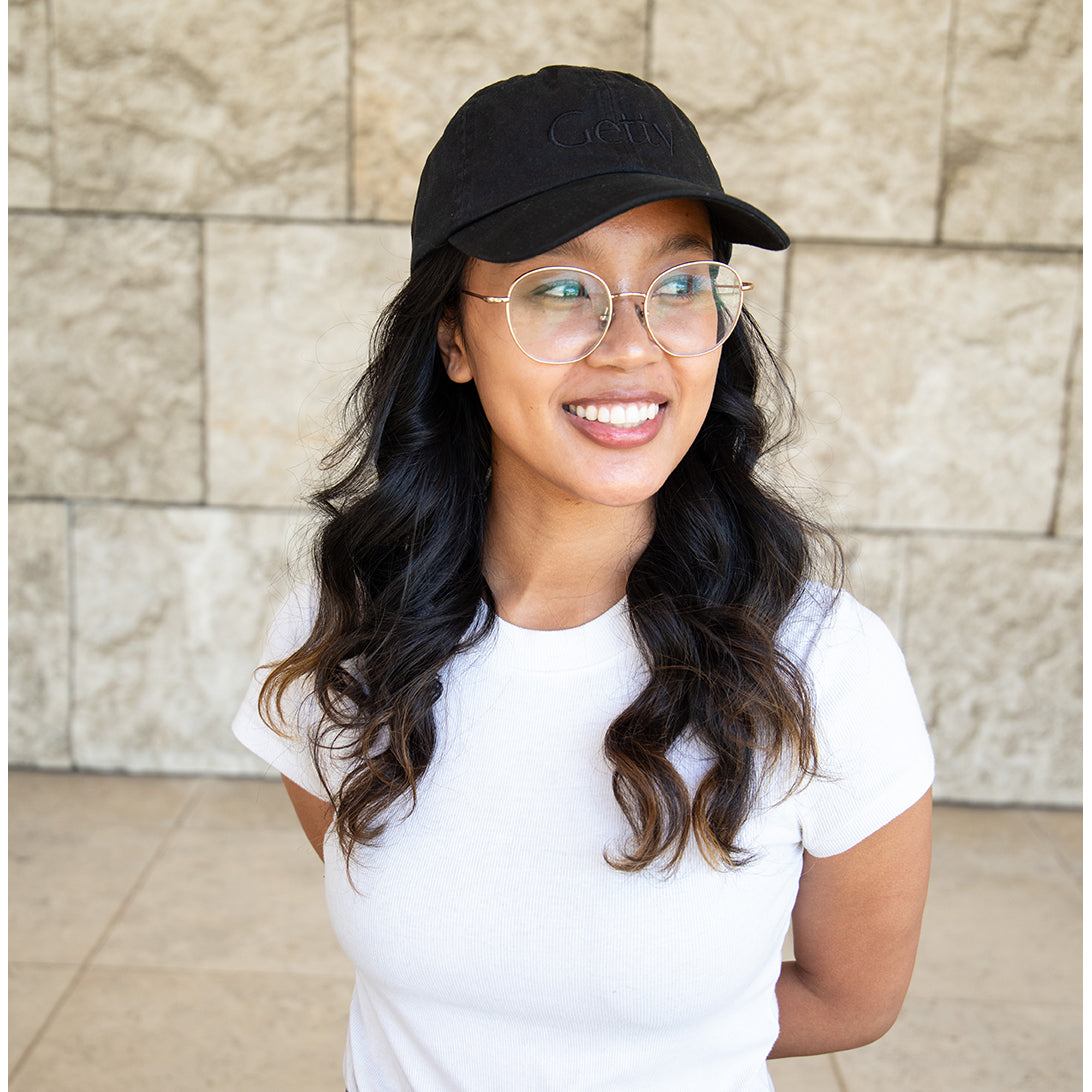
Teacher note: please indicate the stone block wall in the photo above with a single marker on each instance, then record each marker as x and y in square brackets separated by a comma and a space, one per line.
[210, 203]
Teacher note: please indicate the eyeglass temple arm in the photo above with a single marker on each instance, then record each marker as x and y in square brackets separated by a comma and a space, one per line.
[488, 299]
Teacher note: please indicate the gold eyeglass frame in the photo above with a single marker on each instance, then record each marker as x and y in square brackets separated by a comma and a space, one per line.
[745, 286]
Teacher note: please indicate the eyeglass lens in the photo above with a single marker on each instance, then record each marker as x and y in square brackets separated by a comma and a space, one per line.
[560, 315]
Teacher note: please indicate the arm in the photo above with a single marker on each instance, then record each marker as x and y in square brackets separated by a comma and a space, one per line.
[855, 924]
[315, 815]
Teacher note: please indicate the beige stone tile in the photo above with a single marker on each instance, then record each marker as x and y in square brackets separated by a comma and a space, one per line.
[29, 175]
[813, 1074]
[994, 646]
[105, 358]
[229, 900]
[934, 398]
[177, 1031]
[64, 888]
[1064, 832]
[33, 991]
[63, 801]
[242, 804]
[1070, 517]
[827, 117]
[172, 605]
[399, 116]
[202, 106]
[876, 573]
[767, 270]
[970, 1044]
[289, 312]
[988, 843]
[1013, 137]
[1003, 918]
[38, 682]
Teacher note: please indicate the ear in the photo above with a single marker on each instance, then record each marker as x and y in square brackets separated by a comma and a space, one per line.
[449, 337]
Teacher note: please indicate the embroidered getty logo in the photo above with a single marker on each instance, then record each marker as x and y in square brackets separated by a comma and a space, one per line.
[569, 130]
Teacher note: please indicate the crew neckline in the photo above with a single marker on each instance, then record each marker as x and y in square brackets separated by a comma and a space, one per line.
[602, 638]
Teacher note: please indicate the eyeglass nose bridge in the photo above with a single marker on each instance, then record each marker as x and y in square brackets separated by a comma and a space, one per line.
[608, 318]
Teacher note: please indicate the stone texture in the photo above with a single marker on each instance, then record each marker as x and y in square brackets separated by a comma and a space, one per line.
[934, 383]
[33, 991]
[995, 1002]
[288, 315]
[38, 660]
[988, 857]
[825, 116]
[1012, 149]
[809, 1074]
[29, 175]
[242, 804]
[171, 609]
[398, 115]
[180, 1030]
[201, 106]
[768, 271]
[105, 358]
[69, 885]
[38, 799]
[266, 919]
[1063, 832]
[994, 645]
[876, 575]
[969, 1044]
[1070, 517]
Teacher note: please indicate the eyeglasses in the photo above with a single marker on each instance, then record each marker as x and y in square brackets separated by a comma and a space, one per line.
[559, 315]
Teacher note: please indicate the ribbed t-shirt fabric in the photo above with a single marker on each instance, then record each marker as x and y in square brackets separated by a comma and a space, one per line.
[495, 947]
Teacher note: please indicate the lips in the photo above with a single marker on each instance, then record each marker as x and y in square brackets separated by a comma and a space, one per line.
[617, 419]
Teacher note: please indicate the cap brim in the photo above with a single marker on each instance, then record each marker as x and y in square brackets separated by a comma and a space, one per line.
[546, 220]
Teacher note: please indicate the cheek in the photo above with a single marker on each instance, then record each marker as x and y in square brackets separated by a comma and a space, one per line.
[701, 394]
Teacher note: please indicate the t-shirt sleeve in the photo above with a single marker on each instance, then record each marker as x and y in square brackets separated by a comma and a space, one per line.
[288, 753]
[875, 758]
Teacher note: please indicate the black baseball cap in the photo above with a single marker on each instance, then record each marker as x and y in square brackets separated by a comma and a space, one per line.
[533, 161]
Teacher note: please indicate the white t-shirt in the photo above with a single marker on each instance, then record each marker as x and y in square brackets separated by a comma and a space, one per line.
[494, 946]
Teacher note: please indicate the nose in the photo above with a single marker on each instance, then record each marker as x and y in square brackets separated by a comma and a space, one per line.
[627, 342]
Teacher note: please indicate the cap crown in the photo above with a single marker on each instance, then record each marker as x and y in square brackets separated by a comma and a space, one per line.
[550, 133]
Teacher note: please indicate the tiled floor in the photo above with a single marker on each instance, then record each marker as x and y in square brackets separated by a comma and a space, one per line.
[170, 933]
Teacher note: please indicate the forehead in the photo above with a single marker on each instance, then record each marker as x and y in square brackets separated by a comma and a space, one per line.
[651, 233]
[658, 229]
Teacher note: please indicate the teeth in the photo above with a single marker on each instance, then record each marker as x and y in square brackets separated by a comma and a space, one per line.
[622, 415]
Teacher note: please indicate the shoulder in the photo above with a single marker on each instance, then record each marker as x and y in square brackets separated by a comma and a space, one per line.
[848, 656]
[283, 740]
[829, 628]
[874, 755]
[291, 623]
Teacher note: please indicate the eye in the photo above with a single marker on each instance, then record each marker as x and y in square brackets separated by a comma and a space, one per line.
[560, 290]
[681, 287]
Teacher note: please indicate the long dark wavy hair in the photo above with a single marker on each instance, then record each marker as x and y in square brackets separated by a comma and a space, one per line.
[398, 560]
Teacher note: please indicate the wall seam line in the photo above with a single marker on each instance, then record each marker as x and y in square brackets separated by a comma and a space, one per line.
[350, 111]
[649, 18]
[51, 95]
[943, 178]
[1069, 383]
[203, 366]
[72, 603]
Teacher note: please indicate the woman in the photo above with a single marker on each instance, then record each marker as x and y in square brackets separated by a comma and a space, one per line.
[563, 712]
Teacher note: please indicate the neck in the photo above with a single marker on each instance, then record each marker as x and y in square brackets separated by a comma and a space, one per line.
[561, 566]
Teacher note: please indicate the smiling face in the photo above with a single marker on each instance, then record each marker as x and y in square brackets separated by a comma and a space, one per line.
[607, 429]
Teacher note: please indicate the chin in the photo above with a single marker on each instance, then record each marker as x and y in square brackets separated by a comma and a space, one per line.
[623, 495]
